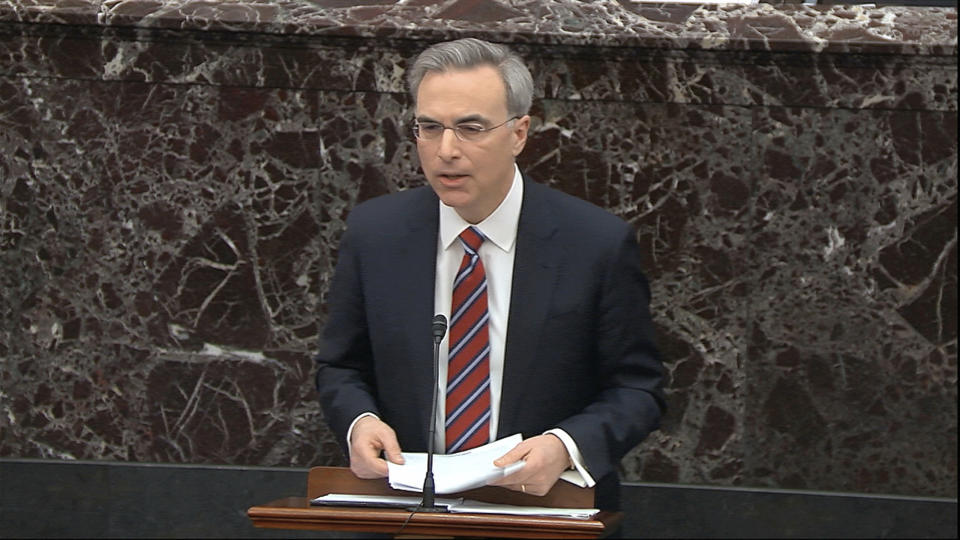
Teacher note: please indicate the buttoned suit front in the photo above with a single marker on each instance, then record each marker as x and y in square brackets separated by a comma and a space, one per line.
[579, 353]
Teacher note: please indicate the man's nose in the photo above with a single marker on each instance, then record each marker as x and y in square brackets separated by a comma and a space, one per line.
[449, 146]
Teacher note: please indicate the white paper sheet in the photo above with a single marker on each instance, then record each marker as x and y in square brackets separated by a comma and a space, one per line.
[478, 507]
[459, 506]
[455, 472]
[383, 501]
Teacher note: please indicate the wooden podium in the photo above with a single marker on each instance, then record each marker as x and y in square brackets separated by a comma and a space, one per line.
[297, 513]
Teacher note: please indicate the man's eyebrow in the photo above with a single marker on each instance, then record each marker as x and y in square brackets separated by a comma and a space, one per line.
[472, 118]
[469, 118]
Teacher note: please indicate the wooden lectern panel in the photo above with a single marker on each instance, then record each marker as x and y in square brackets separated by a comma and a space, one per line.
[297, 513]
[324, 480]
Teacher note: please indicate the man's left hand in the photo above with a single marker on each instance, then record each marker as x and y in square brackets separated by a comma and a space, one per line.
[546, 458]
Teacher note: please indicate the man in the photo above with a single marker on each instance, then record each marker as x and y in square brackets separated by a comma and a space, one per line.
[549, 309]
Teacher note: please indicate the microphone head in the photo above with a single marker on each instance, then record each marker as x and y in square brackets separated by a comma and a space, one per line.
[439, 327]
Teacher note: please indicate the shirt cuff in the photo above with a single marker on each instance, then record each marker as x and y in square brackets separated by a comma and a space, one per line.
[350, 430]
[578, 475]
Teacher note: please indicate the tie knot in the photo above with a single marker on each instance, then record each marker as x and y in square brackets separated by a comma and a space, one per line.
[471, 238]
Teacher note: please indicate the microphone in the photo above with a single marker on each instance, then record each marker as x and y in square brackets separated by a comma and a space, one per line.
[429, 490]
[439, 328]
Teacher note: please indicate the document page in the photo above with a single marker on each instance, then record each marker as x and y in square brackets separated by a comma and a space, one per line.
[457, 506]
[379, 501]
[455, 472]
[477, 507]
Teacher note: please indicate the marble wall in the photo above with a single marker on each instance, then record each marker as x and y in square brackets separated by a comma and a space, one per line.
[174, 178]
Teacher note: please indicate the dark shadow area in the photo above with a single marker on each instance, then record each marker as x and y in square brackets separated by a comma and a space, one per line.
[59, 499]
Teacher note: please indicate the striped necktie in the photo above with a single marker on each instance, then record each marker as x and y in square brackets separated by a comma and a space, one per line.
[468, 371]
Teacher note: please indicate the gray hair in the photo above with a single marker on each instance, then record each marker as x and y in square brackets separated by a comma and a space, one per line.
[469, 53]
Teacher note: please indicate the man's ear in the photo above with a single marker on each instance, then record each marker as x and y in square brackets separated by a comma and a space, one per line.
[521, 126]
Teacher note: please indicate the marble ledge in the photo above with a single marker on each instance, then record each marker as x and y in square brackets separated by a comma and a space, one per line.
[918, 31]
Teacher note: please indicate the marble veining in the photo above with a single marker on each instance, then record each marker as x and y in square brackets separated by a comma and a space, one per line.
[175, 176]
[846, 28]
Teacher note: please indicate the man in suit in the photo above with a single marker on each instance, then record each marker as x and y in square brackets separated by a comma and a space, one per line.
[555, 328]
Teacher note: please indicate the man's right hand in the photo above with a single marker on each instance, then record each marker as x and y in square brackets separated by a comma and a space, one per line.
[370, 437]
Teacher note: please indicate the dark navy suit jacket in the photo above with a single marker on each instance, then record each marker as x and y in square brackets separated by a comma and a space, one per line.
[580, 353]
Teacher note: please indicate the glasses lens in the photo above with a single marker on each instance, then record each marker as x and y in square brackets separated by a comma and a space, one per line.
[471, 132]
[427, 130]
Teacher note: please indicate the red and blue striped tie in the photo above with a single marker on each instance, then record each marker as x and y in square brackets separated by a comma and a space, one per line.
[468, 369]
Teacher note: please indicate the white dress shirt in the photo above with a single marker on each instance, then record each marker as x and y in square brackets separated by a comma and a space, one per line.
[497, 253]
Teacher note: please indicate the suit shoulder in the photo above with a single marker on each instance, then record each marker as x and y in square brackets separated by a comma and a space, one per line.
[391, 207]
[582, 215]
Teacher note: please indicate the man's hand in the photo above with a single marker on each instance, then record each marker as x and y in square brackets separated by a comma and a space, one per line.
[546, 458]
[370, 437]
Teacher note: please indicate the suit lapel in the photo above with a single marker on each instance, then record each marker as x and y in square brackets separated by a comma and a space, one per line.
[415, 269]
[536, 268]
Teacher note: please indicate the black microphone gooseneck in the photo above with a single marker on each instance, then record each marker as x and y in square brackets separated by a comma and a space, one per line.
[429, 490]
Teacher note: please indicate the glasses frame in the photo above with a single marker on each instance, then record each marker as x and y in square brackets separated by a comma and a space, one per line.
[482, 133]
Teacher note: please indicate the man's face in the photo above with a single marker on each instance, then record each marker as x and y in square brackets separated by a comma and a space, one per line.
[472, 177]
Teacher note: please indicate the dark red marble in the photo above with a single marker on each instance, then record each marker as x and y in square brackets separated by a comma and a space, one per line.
[174, 179]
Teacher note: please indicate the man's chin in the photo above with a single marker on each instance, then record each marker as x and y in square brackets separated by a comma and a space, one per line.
[450, 195]
[453, 201]
[458, 200]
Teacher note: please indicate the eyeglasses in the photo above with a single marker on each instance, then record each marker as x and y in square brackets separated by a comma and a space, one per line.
[466, 132]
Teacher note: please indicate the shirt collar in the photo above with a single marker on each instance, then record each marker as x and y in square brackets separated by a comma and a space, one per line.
[500, 227]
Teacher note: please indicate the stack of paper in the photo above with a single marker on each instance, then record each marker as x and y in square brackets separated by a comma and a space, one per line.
[379, 501]
[459, 506]
[455, 472]
[477, 507]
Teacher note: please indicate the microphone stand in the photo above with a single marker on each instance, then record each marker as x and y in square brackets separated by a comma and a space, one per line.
[429, 489]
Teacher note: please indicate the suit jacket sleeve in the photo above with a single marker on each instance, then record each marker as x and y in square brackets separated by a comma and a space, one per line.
[629, 401]
[345, 380]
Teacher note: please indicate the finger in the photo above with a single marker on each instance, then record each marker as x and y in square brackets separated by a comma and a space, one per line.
[516, 454]
[535, 489]
[370, 438]
[528, 487]
[379, 468]
[509, 482]
[391, 449]
[368, 467]
[521, 475]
